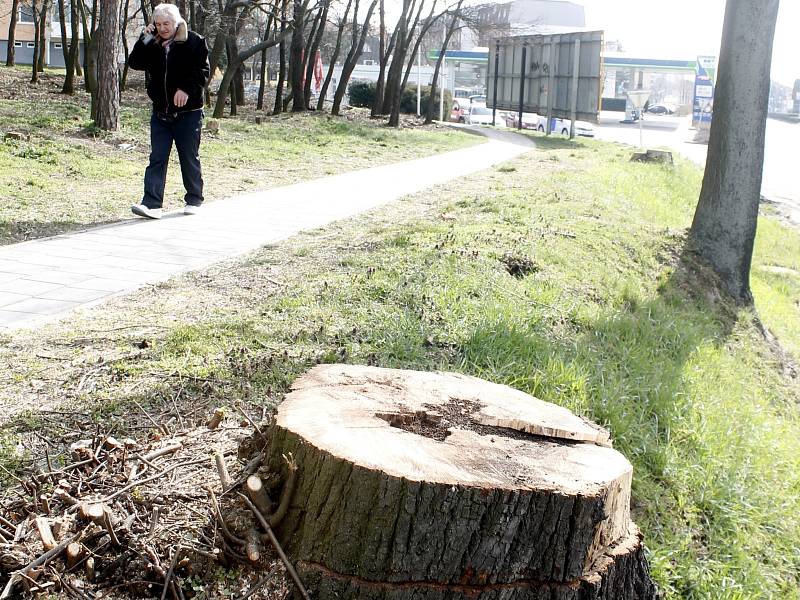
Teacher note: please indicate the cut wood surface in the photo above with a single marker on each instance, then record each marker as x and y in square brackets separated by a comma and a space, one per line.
[440, 479]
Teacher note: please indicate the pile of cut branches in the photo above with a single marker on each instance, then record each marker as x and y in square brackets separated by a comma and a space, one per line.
[131, 519]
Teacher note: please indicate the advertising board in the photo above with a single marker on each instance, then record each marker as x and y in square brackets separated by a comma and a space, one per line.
[558, 75]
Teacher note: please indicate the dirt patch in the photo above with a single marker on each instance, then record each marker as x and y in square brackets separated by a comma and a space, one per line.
[128, 517]
[519, 265]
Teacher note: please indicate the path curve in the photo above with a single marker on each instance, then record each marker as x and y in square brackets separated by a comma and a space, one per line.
[43, 280]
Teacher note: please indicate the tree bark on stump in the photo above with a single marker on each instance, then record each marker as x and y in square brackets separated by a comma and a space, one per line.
[442, 486]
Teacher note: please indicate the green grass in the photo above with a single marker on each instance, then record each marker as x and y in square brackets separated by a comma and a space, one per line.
[613, 320]
[606, 314]
[66, 175]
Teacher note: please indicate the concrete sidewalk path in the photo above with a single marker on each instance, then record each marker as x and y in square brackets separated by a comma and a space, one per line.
[43, 280]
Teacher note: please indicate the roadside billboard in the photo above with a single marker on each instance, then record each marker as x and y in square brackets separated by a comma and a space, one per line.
[558, 75]
[703, 108]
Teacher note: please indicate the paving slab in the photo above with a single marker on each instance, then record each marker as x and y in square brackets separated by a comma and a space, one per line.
[43, 280]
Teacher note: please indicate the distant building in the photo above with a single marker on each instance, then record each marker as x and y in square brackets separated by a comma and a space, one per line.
[521, 17]
[25, 35]
[490, 21]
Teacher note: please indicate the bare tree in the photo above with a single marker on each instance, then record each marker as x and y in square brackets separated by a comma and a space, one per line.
[334, 57]
[311, 53]
[107, 97]
[455, 14]
[41, 34]
[236, 61]
[724, 226]
[89, 49]
[227, 21]
[423, 31]
[125, 19]
[278, 108]
[356, 48]
[37, 48]
[395, 74]
[12, 33]
[62, 22]
[395, 69]
[384, 52]
[296, 54]
[264, 75]
[73, 65]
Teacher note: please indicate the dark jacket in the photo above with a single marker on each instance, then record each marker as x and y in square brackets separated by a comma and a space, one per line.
[185, 67]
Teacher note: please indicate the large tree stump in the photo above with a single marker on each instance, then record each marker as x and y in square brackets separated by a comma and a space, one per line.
[439, 485]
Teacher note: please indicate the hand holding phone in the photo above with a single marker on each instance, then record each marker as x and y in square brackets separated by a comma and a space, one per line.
[147, 34]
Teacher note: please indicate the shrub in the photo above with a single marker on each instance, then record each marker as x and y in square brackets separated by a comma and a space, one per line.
[361, 93]
[408, 100]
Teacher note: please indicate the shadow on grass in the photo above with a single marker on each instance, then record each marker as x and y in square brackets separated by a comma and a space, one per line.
[551, 142]
[625, 367]
[630, 369]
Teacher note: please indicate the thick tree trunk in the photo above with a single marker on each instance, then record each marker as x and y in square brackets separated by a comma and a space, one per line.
[278, 108]
[724, 227]
[398, 60]
[383, 59]
[296, 58]
[107, 68]
[444, 486]
[73, 59]
[37, 46]
[69, 49]
[12, 33]
[42, 36]
[394, 88]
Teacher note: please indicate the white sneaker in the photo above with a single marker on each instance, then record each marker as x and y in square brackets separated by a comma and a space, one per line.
[149, 213]
[191, 209]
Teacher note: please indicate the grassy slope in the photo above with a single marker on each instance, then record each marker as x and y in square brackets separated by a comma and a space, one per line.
[63, 178]
[611, 320]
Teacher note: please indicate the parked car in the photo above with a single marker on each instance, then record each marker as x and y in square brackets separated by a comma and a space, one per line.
[661, 109]
[461, 107]
[539, 123]
[460, 110]
[480, 115]
[562, 126]
[529, 120]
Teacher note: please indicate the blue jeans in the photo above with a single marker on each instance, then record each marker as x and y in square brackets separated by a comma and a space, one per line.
[184, 130]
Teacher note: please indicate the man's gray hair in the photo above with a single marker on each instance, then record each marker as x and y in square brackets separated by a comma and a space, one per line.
[170, 11]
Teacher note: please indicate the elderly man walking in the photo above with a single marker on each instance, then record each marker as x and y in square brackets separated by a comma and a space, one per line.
[177, 61]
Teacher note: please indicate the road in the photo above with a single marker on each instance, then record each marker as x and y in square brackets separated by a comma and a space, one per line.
[780, 182]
